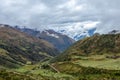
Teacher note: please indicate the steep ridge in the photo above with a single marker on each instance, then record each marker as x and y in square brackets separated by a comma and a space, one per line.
[18, 48]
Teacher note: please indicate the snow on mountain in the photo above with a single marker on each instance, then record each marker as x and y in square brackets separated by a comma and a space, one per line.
[80, 34]
[60, 41]
[74, 30]
[51, 34]
[78, 30]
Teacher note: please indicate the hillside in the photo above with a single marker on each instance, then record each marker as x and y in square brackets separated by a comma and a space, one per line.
[18, 48]
[60, 41]
[95, 45]
[99, 44]
[93, 58]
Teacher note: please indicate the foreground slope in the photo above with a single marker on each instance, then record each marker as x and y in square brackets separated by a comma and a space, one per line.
[93, 58]
[19, 48]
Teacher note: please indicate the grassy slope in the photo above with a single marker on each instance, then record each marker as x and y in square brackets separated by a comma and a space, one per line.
[39, 71]
[71, 70]
[67, 71]
[95, 45]
[90, 56]
[99, 61]
[87, 73]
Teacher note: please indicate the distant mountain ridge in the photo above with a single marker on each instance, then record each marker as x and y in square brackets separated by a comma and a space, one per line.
[82, 33]
[114, 32]
[79, 35]
[60, 41]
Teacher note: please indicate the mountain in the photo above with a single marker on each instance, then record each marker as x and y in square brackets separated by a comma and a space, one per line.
[92, 58]
[60, 41]
[17, 48]
[114, 32]
[95, 45]
[78, 34]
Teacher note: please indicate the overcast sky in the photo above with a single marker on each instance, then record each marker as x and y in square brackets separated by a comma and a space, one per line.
[102, 14]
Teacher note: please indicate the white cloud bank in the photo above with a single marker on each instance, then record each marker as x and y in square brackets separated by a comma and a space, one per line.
[69, 14]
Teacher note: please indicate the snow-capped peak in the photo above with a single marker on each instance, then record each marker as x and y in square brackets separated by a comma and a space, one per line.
[77, 30]
[52, 35]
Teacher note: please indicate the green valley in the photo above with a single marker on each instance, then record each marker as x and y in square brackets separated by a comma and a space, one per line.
[25, 57]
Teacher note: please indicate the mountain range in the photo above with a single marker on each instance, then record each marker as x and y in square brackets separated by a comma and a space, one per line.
[27, 54]
[60, 41]
[79, 34]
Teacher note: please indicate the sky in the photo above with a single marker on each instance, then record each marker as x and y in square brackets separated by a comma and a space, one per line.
[73, 15]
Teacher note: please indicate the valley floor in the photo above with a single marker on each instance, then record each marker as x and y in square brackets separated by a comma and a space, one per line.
[96, 67]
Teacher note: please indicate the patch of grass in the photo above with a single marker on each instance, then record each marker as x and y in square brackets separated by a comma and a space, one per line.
[67, 67]
[45, 54]
[45, 73]
[7, 75]
[99, 61]
[25, 68]
[3, 52]
[87, 73]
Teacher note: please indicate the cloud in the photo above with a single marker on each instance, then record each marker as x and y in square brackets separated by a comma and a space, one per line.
[61, 13]
[75, 29]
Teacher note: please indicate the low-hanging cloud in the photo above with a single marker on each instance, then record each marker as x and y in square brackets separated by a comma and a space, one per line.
[59, 13]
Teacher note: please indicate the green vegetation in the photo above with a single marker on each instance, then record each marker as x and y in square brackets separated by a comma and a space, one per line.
[67, 71]
[43, 70]
[93, 58]
[105, 63]
[6, 75]
[95, 45]
[87, 73]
